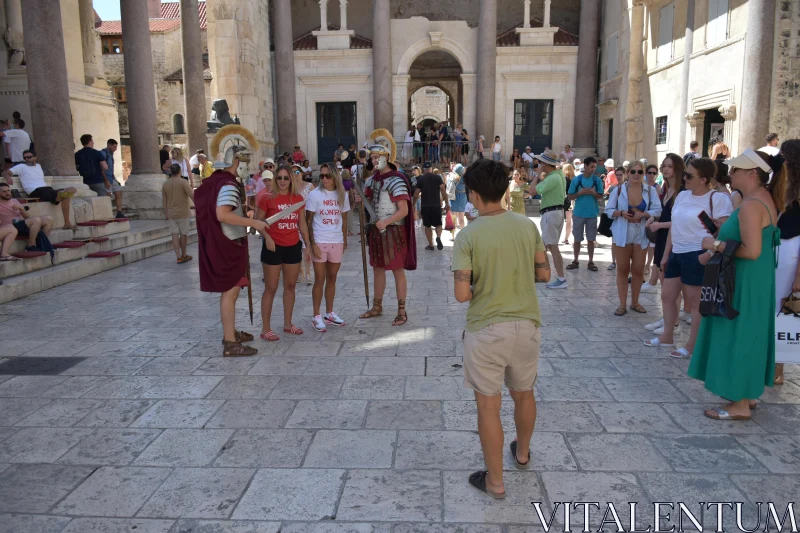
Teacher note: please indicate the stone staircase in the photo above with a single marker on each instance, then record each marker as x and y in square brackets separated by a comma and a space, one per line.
[133, 239]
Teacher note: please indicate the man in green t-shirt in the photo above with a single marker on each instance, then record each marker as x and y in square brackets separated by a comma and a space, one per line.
[553, 190]
[492, 262]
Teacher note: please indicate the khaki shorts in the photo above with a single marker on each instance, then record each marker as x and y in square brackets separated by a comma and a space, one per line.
[179, 226]
[552, 226]
[504, 351]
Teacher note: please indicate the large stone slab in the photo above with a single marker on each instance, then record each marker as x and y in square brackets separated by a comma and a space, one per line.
[351, 449]
[391, 495]
[631, 453]
[333, 414]
[110, 447]
[113, 491]
[40, 445]
[252, 414]
[37, 488]
[274, 448]
[185, 447]
[408, 414]
[178, 414]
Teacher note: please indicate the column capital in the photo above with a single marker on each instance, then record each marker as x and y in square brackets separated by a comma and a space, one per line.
[469, 79]
[695, 118]
[399, 80]
[728, 112]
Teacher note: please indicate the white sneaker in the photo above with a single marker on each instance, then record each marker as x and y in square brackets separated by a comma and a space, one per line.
[334, 319]
[647, 288]
[612, 266]
[655, 325]
[319, 325]
[688, 319]
[682, 316]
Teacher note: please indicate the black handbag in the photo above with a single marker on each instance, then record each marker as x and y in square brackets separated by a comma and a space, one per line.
[604, 228]
[719, 284]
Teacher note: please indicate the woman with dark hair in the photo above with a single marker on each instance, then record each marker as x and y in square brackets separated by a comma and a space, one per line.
[736, 358]
[684, 260]
[787, 275]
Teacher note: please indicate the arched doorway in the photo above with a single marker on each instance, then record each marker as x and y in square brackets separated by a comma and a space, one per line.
[437, 73]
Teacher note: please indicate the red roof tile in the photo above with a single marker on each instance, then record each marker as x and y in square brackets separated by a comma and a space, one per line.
[511, 37]
[172, 10]
[171, 19]
[309, 40]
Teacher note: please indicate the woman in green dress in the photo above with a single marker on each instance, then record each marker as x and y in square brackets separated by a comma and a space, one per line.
[517, 192]
[736, 358]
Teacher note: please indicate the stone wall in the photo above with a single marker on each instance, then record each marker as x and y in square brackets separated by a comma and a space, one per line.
[305, 13]
[238, 44]
[429, 102]
[786, 89]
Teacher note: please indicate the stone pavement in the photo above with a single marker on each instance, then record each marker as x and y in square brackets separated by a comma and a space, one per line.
[142, 427]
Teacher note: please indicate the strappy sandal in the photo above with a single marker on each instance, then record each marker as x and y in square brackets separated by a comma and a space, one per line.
[294, 330]
[9, 258]
[520, 466]
[573, 265]
[243, 336]
[234, 349]
[478, 480]
[638, 308]
[717, 413]
[778, 375]
[187, 258]
[269, 336]
[592, 267]
[402, 316]
[377, 309]
[620, 311]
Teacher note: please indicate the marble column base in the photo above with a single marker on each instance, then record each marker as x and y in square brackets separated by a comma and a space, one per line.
[62, 182]
[581, 153]
[142, 195]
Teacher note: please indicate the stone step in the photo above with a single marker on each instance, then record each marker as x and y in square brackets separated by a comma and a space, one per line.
[29, 276]
[81, 233]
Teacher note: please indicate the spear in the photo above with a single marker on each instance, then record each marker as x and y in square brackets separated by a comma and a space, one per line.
[364, 250]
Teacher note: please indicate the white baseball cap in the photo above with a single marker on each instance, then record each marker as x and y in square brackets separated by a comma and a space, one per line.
[609, 163]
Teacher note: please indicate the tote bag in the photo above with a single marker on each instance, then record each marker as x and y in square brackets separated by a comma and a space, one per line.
[787, 334]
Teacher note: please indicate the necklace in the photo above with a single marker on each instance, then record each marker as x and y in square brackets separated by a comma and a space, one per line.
[494, 211]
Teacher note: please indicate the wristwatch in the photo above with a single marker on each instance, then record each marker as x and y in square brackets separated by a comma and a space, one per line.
[716, 245]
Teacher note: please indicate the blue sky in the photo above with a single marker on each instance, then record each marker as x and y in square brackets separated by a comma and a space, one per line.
[107, 9]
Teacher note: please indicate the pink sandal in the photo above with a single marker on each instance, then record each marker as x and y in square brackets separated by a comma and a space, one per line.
[294, 330]
[270, 336]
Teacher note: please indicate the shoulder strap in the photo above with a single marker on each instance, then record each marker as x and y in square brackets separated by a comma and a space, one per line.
[711, 203]
[767, 208]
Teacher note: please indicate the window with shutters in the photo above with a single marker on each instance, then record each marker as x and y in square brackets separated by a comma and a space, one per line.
[611, 59]
[666, 19]
[717, 25]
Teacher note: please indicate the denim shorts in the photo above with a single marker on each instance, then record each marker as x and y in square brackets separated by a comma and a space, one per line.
[687, 267]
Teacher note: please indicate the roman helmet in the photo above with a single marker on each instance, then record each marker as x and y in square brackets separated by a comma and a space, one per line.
[234, 142]
[382, 143]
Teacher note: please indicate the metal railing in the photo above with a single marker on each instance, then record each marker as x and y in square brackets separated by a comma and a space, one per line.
[438, 153]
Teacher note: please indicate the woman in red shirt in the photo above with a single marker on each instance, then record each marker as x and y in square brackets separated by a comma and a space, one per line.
[282, 250]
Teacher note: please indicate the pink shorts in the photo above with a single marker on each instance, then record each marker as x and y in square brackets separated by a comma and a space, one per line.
[330, 253]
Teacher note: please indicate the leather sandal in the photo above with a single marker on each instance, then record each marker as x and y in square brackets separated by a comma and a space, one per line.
[235, 349]
[243, 336]
[402, 316]
[377, 309]
[573, 265]
[638, 308]
[620, 311]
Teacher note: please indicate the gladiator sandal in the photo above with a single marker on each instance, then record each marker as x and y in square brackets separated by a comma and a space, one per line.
[377, 309]
[234, 349]
[402, 316]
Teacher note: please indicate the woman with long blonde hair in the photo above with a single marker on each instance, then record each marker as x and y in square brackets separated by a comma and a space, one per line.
[177, 158]
[326, 218]
[281, 252]
[304, 188]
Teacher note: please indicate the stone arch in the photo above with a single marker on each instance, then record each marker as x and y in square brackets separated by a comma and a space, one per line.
[425, 45]
[451, 101]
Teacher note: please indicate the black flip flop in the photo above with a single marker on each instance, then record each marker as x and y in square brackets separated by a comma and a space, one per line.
[439, 244]
[429, 247]
[520, 466]
[478, 480]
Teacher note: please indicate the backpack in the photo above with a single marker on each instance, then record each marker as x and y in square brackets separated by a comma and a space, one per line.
[451, 189]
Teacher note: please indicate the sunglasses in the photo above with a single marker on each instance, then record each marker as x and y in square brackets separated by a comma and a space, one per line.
[269, 166]
[283, 178]
[651, 173]
[27, 157]
[687, 176]
[325, 176]
[640, 172]
[297, 172]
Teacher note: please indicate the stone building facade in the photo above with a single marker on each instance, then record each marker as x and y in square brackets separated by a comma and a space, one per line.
[662, 86]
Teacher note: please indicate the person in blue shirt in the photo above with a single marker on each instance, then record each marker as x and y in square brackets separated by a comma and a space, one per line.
[585, 189]
[116, 187]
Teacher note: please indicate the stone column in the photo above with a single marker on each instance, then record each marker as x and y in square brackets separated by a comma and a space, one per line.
[401, 121]
[468, 82]
[757, 84]
[688, 46]
[487, 73]
[323, 15]
[14, 34]
[48, 90]
[546, 23]
[382, 65]
[91, 64]
[696, 120]
[526, 17]
[285, 99]
[634, 128]
[586, 83]
[343, 14]
[143, 188]
[194, 88]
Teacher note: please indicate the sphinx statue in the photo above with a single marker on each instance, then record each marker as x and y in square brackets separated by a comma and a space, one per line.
[220, 116]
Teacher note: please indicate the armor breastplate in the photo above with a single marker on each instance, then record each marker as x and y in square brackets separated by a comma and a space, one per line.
[385, 208]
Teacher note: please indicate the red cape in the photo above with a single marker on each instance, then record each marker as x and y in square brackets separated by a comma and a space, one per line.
[223, 262]
[411, 256]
